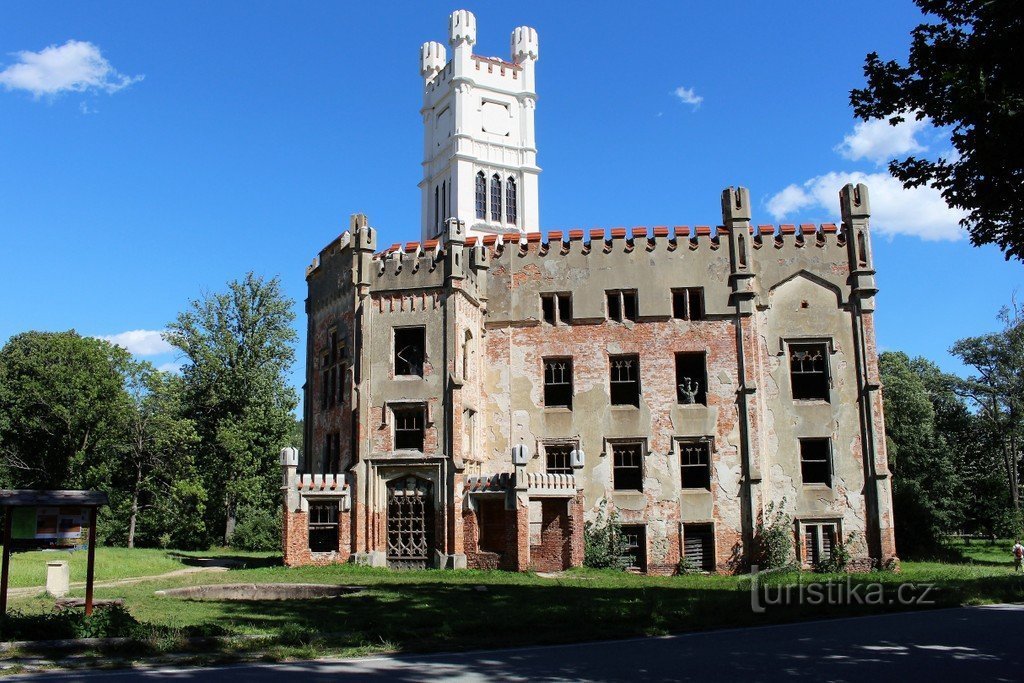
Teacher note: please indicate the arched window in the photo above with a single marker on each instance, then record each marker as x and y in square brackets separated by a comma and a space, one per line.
[742, 246]
[495, 198]
[444, 201]
[481, 196]
[511, 214]
[437, 209]
[467, 354]
[862, 252]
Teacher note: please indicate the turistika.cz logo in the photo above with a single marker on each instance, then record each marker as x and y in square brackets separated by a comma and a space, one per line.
[832, 592]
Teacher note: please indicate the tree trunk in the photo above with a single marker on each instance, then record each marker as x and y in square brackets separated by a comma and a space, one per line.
[229, 523]
[135, 505]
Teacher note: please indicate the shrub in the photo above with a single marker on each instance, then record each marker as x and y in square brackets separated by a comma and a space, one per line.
[604, 546]
[688, 566]
[773, 539]
[839, 560]
[257, 530]
[108, 621]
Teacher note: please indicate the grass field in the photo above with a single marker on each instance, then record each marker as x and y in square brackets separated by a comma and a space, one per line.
[444, 610]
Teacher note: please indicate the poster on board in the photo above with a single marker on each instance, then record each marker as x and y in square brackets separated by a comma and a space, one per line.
[48, 526]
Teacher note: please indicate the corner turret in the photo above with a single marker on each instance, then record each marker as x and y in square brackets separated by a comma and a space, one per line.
[736, 221]
[525, 52]
[433, 57]
[856, 211]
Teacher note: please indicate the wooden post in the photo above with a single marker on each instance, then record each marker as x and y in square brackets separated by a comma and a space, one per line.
[6, 561]
[90, 571]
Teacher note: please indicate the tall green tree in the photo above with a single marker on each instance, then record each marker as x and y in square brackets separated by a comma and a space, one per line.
[963, 73]
[160, 495]
[996, 390]
[239, 347]
[61, 401]
[926, 493]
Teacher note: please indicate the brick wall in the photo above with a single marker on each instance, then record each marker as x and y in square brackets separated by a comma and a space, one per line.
[295, 541]
[553, 553]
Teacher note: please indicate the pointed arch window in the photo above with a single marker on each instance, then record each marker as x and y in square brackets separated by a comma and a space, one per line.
[437, 209]
[444, 201]
[495, 198]
[511, 214]
[481, 195]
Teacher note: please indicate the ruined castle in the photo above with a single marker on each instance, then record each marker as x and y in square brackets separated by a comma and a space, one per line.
[474, 398]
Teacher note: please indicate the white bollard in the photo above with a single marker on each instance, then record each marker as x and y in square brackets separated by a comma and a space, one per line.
[58, 578]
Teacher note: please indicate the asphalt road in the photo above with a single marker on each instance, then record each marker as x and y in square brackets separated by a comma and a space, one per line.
[975, 643]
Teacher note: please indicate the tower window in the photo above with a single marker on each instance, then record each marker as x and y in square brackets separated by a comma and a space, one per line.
[481, 196]
[695, 464]
[437, 208]
[511, 214]
[691, 378]
[628, 468]
[409, 351]
[558, 459]
[556, 308]
[625, 380]
[815, 461]
[621, 305]
[495, 198]
[808, 371]
[332, 452]
[688, 303]
[409, 428]
[558, 382]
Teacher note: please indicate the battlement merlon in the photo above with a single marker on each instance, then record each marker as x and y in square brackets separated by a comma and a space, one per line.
[855, 206]
[525, 53]
[433, 58]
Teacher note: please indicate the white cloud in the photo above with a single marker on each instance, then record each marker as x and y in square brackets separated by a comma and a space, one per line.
[75, 66]
[919, 212]
[688, 96]
[140, 342]
[173, 368]
[880, 142]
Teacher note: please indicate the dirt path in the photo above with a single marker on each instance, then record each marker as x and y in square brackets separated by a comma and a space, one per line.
[35, 590]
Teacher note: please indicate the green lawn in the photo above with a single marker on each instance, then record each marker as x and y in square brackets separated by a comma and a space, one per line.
[444, 610]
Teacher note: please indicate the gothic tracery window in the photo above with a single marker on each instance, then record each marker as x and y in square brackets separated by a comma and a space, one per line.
[511, 214]
[495, 198]
[481, 195]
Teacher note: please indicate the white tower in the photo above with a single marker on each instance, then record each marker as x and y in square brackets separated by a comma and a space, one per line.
[480, 154]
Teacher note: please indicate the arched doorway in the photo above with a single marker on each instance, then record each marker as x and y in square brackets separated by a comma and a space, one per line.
[410, 523]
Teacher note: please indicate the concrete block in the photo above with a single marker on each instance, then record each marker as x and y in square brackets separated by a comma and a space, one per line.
[58, 578]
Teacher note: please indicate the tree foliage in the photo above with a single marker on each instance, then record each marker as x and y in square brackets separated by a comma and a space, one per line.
[964, 74]
[239, 347]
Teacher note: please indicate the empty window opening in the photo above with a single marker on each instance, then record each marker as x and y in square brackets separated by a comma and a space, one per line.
[808, 371]
[558, 382]
[819, 540]
[467, 354]
[699, 546]
[695, 464]
[628, 468]
[409, 428]
[481, 196]
[742, 246]
[691, 378]
[495, 198]
[323, 527]
[635, 546]
[410, 345]
[556, 308]
[491, 520]
[815, 461]
[625, 380]
[558, 459]
[688, 303]
[331, 453]
[621, 305]
[511, 214]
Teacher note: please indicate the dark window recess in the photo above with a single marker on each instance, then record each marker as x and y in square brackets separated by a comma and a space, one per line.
[410, 344]
[409, 428]
[695, 463]
[325, 384]
[323, 527]
[511, 201]
[625, 380]
[556, 308]
[691, 378]
[688, 304]
[491, 516]
[635, 546]
[621, 305]
[699, 546]
[819, 540]
[815, 465]
[332, 452]
[481, 195]
[808, 371]
[558, 459]
[495, 198]
[628, 468]
[558, 382]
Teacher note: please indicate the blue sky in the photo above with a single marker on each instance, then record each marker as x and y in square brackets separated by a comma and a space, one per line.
[170, 147]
